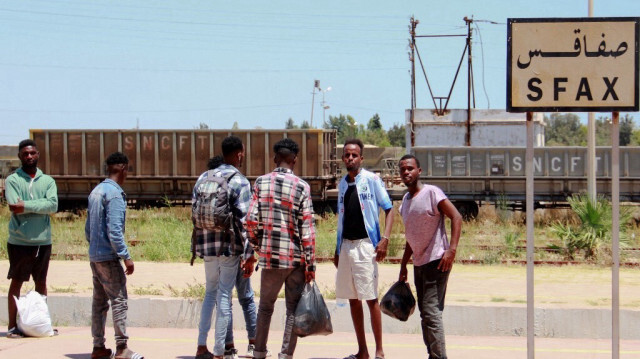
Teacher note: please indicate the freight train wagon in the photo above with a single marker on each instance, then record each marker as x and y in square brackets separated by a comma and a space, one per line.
[9, 162]
[164, 164]
[470, 175]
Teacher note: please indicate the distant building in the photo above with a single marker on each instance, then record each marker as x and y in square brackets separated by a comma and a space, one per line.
[8, 152]
[9, 162]
[493, 128]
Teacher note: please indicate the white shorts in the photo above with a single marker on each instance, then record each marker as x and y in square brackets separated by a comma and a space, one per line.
[357, 276]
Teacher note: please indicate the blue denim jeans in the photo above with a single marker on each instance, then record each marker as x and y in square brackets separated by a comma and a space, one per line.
[220, 273]
[245, 297]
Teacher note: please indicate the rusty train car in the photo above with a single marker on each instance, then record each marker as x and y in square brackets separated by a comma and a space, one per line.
[471, 175]
[164, 164]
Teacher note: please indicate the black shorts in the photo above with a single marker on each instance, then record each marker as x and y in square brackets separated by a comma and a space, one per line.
[25, 261]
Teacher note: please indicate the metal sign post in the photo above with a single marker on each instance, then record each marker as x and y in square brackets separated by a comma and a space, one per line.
[615, 236]
[574, 64]
[530, 247]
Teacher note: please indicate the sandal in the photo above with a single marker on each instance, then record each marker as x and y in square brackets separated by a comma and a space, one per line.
[15, 333]
[129, 354]
[352, 356]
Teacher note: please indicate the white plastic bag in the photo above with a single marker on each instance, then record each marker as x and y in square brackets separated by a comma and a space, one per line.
[33, 315]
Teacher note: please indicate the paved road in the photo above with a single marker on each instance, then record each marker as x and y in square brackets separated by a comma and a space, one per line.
[75, 343]
[471, 285]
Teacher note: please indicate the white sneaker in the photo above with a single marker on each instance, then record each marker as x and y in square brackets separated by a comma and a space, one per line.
[231, 353]
[252, 347]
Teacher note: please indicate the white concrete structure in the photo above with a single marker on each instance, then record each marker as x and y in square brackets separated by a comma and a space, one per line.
[488, 128]
[474, 320]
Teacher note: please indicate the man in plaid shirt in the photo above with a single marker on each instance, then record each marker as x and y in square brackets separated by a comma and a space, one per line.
[280, 227]
[223, 252]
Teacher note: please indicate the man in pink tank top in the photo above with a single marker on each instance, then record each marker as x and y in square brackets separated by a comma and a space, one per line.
[425, 207]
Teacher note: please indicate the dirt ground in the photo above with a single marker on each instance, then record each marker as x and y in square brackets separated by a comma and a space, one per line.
[568, 286]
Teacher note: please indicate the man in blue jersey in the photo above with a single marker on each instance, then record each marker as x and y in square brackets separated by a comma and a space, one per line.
[359, 244]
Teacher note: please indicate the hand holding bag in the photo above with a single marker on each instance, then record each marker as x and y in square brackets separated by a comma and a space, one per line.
[398, 302]
[312, 315]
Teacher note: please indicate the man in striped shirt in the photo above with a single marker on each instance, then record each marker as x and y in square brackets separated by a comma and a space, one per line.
[223, 252]
[280, 226]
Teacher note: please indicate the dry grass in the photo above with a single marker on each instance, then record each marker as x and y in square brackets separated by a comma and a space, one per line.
[148, 290]
[164, 234]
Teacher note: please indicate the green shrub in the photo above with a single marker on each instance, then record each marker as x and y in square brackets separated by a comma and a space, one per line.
[503, 211]
[594, 230]
[511, 243]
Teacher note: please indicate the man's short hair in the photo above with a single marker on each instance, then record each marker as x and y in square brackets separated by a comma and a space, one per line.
[117, 158]
[285, 147]
[26, 143]
[409, 156]
[215, 162]
[354, 141]
[230, 145]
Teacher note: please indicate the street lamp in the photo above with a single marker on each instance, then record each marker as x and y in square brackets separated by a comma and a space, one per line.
[324, 104]
[354, 128]
[316, 85]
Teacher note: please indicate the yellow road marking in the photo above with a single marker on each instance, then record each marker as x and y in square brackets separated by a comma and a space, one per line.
[392, 345]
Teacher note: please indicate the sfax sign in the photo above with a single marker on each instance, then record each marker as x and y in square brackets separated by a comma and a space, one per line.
[572, 64]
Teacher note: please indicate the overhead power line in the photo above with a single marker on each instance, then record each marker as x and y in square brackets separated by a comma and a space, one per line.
[204, 36]
[139, 69]
[203, 23]
[111, 5]
[152, 111]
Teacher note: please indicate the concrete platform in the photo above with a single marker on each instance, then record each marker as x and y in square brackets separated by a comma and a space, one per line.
[161, 343]
[485, 316]
[470, 320]
[476, 285]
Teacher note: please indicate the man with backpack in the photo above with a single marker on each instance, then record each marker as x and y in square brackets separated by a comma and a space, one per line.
[220, 201]
[245, 297]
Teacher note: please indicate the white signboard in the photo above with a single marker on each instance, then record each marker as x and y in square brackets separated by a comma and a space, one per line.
[572, 64]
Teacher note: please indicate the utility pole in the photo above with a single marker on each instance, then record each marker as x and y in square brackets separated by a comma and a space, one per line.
[412, 45]
[439, 109]
[469, 21]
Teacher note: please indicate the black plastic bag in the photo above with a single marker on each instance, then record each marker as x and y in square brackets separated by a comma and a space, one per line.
[399, 302]
[311, 316]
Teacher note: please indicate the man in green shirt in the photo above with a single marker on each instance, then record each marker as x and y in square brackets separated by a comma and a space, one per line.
[32, 196]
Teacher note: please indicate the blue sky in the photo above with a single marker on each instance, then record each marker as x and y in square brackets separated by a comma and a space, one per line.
[174, 64]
